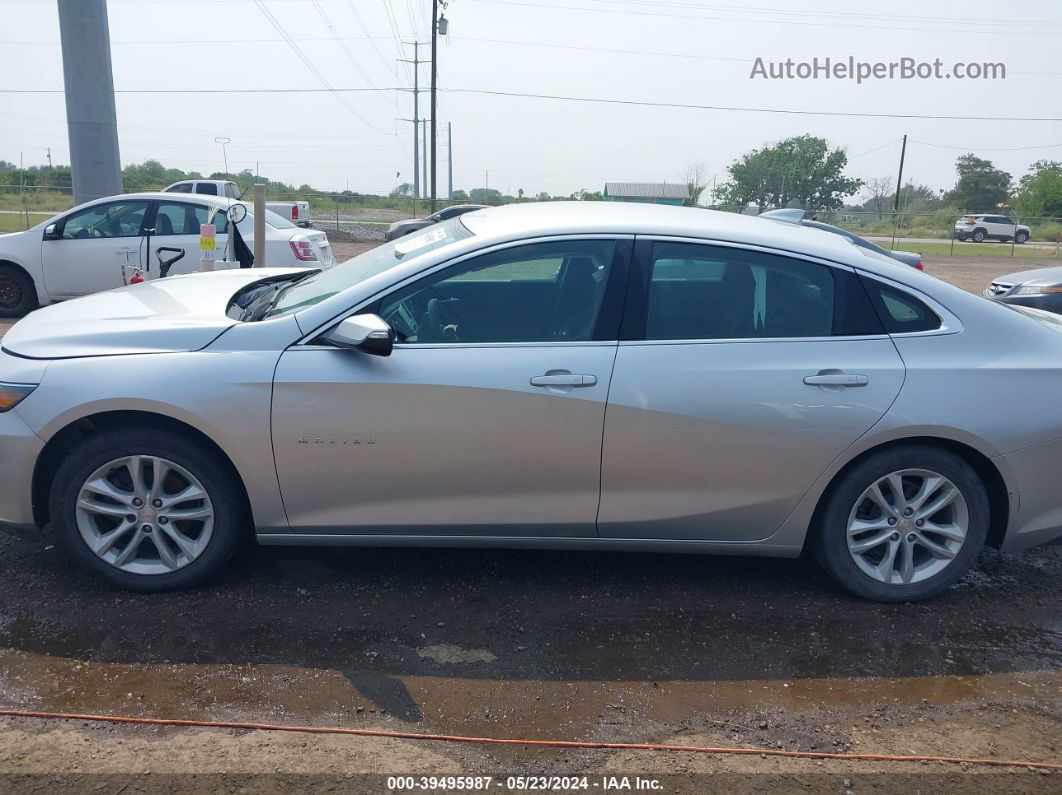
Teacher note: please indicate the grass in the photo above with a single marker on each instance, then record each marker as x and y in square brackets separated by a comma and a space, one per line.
[16, 222]
[994, 250]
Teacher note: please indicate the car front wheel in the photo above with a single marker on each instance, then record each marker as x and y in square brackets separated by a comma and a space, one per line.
[18, 295]
[979, 236]
[1021, 237]
[904, 524]
[146, 510]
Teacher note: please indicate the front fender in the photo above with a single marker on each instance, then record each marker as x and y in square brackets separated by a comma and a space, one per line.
[224, 395]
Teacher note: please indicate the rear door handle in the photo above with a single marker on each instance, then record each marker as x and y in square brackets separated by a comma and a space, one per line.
[836, 379]
[564, 379]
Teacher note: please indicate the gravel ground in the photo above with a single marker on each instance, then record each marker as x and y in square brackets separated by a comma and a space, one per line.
[655, 648]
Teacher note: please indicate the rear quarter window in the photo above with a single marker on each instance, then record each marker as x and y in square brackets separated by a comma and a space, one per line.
[900, 312]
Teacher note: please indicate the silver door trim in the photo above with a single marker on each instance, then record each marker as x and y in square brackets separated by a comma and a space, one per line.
[559, 543]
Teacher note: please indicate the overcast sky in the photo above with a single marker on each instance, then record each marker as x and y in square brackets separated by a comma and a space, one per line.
[698, 52]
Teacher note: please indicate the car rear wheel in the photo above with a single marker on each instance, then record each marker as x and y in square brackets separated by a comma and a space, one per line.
[979, 235]
[904, 524]
[146, 510]
[18, 295]
[1021, 237]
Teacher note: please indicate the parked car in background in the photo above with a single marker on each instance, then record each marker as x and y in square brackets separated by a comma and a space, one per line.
[1040, 288]
[796, 216]
[403, 228]
[298, 212]
[982, 227]
[91, 247]
[580, 375]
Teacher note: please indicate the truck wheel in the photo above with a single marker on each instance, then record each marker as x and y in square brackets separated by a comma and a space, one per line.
[18, 295]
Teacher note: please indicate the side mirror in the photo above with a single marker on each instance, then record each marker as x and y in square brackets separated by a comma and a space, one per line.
[51, 232]
[366, 333]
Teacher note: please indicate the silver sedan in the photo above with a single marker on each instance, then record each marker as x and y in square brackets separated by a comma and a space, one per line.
[565, 376]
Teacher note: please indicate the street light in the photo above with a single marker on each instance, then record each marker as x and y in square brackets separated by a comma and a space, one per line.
[224, 141]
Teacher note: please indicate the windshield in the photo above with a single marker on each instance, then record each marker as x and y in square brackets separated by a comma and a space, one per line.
[364, 266]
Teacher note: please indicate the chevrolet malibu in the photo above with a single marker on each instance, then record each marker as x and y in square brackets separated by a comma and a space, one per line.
[562, 376]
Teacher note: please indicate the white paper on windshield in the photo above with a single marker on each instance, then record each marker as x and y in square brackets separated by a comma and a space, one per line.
[406, 247]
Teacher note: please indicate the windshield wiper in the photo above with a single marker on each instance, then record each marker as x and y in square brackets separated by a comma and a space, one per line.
[264, 303]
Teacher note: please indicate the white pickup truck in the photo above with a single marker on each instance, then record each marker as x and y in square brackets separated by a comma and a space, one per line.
[296, 211]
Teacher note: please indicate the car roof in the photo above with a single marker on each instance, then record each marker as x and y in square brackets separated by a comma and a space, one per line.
[516, 221]
[206, 197]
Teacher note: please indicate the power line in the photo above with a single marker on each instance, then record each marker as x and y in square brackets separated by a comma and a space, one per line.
[371, 39]
[397, 39]
[341, 43]
[994, 32]
[994, 23]
[260, 4]
[875, 149]
[561, 98]
[988, 148]
[785, 111]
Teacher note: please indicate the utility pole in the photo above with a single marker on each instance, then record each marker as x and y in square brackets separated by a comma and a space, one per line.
[896, 203]
[434, 78]
[438, 27]
[450, 158]
[92, 125]
[48, 150]
[424, 143]
[416, 117]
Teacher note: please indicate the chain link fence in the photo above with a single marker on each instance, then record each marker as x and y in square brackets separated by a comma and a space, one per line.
[366, 217]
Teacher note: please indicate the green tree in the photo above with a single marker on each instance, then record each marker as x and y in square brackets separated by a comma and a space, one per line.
[485, 196]
[460, 196]
[802, 170]
[1040, 191]
[981, 186]
[401, 191]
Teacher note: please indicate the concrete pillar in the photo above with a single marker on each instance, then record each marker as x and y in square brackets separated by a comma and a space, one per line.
[89, 86]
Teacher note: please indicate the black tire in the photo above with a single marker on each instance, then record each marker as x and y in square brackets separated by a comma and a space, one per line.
[830, 543]
[109, 445]
[18, 294]
[979, 236]
[1021, 237]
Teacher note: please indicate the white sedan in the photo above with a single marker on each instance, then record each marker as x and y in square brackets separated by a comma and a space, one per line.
[96, 246]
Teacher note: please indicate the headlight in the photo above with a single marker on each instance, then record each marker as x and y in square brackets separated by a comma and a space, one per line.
[1036, 289]
[13, 394]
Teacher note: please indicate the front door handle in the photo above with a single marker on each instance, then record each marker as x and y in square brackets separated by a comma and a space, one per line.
[563, 379]
[835, 378]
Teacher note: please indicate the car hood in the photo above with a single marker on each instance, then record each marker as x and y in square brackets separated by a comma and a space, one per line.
[181, 313]
[1036, 276]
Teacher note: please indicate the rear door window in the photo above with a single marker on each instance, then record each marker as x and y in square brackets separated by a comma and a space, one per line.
[701, 292]
[206, 188]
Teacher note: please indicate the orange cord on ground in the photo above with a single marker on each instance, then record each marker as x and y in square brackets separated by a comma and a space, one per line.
[447, 738]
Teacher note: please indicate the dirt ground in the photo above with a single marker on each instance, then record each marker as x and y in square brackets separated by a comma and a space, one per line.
[646, 648]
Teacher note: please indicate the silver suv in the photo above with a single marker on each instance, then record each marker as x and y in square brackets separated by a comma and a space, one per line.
[982, 227]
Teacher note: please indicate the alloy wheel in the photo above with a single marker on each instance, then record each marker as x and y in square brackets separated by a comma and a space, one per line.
[907, 526]
[145, 515]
